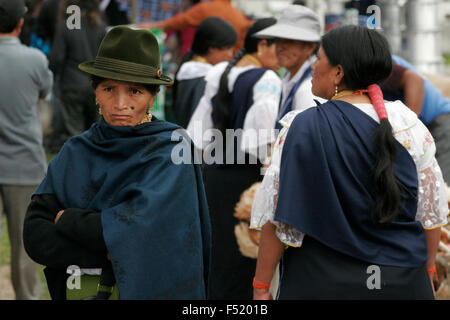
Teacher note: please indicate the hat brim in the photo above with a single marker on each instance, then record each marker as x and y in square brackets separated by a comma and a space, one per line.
[90, 68]
[286, 31]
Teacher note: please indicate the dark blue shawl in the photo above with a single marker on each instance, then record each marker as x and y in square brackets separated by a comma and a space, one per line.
[326, 187]
[154, 213]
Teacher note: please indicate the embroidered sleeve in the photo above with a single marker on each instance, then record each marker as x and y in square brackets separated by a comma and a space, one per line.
[265, 201]
[432, 207]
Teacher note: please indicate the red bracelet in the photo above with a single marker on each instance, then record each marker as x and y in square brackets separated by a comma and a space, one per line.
[260, 285]
[433, 271]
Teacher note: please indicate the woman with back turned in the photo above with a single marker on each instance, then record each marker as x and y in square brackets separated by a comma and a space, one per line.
[213, 43]
[241, 97]
[354, 188]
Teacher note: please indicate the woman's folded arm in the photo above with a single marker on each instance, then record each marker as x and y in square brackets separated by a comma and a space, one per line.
[48, 244]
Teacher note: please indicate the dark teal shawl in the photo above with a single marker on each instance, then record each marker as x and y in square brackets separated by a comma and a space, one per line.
[154, 212]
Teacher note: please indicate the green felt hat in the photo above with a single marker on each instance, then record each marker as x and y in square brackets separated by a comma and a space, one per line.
[127, 54]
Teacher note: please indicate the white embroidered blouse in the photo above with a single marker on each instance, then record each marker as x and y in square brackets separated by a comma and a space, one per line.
[432, 207]
[262, 114]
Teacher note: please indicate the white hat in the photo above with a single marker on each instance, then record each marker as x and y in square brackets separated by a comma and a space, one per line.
[296, 23]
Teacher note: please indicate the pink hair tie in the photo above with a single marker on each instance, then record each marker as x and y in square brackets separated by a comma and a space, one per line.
[376, 97]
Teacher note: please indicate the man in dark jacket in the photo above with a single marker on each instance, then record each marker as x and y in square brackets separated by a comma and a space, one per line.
[70, 48]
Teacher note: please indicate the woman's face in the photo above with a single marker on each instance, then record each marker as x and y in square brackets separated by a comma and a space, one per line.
[267, 55]
[292, 54]
[216, 55]
[325, 77]
[123, 103]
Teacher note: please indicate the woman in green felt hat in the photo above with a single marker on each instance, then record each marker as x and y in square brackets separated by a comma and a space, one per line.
[114, 205]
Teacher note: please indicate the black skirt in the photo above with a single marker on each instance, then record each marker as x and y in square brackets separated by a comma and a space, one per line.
[231, 273]
[315, 271]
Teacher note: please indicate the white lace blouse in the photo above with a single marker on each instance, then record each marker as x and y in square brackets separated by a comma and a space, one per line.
[432, 207]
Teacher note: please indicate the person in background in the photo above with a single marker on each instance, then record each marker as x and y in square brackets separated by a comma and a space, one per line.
[420, 95]
[213, 43]
[186, 35]
[297, 34]
[113, 15]
[354, 191]
[46, 24]
[176, 45]
[24, 79]
[242, 95]
[47, 20]
[29, 25]
[202, 10]
[69, 49]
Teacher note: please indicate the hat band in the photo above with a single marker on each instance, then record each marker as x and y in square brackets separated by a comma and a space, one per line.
[127, 67]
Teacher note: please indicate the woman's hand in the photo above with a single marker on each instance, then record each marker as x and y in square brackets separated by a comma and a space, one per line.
[262, 294]
[432, 284]
[60, 213]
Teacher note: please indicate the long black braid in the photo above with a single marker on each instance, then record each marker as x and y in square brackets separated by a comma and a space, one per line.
[221, 101]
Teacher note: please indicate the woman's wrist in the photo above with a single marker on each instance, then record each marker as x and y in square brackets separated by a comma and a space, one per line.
[260, 285]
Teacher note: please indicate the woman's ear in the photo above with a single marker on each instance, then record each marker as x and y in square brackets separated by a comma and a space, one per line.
[261, 46]
[314, 48]
[339, 74]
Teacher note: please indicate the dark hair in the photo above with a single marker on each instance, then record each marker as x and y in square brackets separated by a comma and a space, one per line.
[213, 32]
[7, 22]
[363, 53]
[96, 80]
[365, 56]
[221, 100]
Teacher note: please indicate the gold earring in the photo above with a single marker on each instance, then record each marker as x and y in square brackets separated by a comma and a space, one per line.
[335, 90]
[147, 118]
[98, 107]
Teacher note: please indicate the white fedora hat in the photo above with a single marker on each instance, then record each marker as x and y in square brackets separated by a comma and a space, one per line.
[295, 23]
